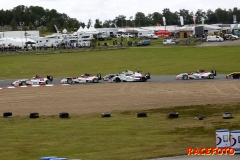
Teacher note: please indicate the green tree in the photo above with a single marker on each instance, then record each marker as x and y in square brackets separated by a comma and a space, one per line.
[98, 24]
[170, 17]
[211, 17]
[222, 15]
[14, 25]
[89, 23]
[107, 24]
[140, 19]
[31, 27]
[156, 18]
[120, 20]
[187, 17]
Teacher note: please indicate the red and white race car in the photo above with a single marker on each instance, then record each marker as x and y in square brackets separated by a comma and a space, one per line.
[37, 80]
[199, 74]
[82, 79]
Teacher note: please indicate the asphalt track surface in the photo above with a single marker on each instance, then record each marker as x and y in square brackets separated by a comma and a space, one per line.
[163, 79]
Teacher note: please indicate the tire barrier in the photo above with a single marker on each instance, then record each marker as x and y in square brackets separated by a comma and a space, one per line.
[227, 115]
[63, 115]
[34, 115]
[7, 114]
[200, 117]
[142, 114]
[106, 114]
[173, 115]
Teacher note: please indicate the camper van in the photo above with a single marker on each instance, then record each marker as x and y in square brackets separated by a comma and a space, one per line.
[49, 40]
[214, 39]
[144, 34]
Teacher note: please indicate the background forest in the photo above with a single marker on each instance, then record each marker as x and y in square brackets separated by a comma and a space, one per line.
[38, 18]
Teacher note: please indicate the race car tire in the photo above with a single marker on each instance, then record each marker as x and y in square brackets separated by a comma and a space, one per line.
[48, 81]
[235, 76]
[23, 83]
[69, 81]
[95, 80]
[99, 76]
[147, 75]
[185, 77]
[144, 79]
[117, 80]
[50, 77]
[211, 76]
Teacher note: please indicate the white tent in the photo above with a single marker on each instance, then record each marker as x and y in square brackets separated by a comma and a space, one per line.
[90, 30]
[80, 29]
[17, 41]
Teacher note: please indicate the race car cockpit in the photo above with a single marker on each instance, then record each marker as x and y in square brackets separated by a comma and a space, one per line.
[37, 76]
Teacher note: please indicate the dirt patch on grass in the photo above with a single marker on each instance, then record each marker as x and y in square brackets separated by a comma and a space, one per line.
[82, 99]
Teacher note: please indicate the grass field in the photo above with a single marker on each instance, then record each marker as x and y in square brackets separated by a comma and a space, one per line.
[122, 136]
[157, 61]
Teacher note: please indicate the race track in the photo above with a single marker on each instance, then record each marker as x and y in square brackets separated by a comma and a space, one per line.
[220, 77]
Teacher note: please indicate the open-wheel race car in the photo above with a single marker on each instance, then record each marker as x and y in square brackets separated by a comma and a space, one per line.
[109, 76]
[199, 74]
[233, 75]
[128, 76]
[85, 78]
[37, 80]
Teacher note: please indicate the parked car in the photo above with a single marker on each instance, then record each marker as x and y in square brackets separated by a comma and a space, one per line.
[144, 43]
[231, 36]
[126, 35]
[168, 41]
[152, 36]
[130, 76]
[37, 80]
[214, 39]
[233, 75]
[82, 79]
[199, 74]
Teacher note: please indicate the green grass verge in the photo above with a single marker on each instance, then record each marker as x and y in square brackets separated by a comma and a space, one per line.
[122, 136]
[157, 61]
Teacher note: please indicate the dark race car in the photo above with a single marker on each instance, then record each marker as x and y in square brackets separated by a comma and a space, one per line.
[233, 75]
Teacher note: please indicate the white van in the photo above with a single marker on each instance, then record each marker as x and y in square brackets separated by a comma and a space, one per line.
[214, 39]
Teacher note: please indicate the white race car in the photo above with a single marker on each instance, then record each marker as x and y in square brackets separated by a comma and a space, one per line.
[109, 76]
[200, 74]
[82, 79]
[37, 80]
[130, 76]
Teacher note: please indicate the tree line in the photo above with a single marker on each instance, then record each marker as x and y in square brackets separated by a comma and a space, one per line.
[37, 18]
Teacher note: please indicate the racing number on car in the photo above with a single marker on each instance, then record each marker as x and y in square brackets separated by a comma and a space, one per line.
[35, 83]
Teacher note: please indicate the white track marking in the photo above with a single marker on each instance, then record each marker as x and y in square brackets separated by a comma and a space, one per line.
[11, 87]
[35, 85]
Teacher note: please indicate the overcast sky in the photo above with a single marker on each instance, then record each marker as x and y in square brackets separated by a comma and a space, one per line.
[83, 10]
